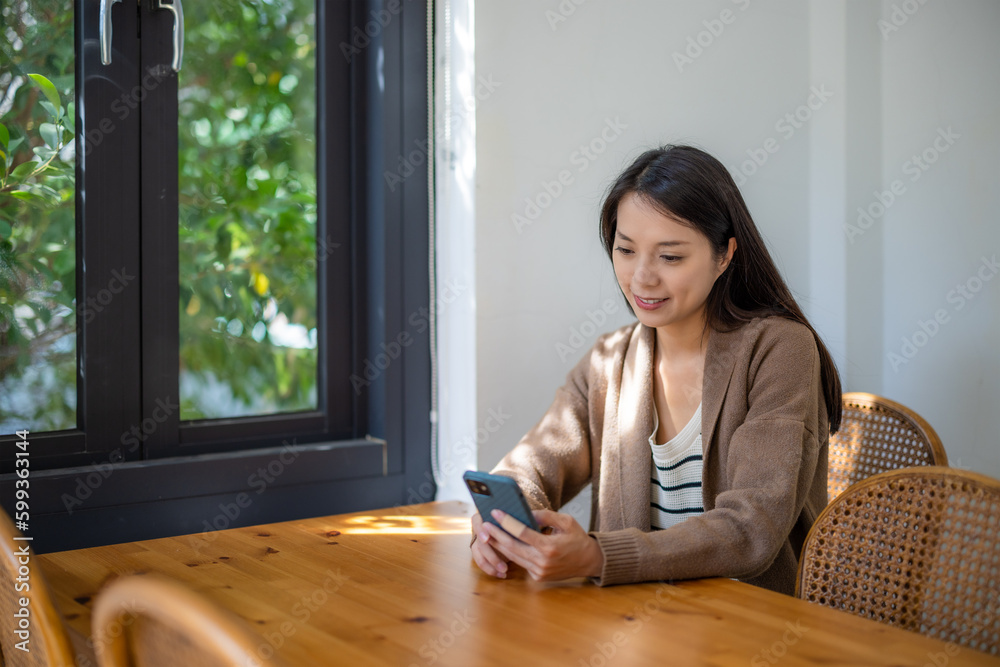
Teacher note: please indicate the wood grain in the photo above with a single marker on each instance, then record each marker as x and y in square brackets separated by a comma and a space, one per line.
[398, 587]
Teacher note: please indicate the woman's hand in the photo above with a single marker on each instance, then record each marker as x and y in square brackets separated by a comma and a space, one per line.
[565, 552]
[488, 560]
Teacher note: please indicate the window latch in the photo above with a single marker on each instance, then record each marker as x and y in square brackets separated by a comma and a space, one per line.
[175, 8]
[106, 30]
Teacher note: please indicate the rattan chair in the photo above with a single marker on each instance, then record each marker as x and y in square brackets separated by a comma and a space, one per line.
[49, 643]
[876, 435]
[149, 621]
[918, 548]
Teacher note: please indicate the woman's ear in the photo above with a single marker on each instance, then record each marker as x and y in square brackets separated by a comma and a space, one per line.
[724, 262]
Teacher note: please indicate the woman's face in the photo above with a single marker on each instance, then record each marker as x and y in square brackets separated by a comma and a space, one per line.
[665, 269]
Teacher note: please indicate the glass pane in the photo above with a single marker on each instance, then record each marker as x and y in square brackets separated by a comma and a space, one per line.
[247, 108]
[37, 217]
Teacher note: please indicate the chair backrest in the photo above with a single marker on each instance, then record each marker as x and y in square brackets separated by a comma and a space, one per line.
[149, 621]
[876, 435]
[23, 581]
[918, 548]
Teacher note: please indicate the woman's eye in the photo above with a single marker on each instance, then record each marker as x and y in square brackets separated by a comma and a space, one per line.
[624, 251]
[670, 258]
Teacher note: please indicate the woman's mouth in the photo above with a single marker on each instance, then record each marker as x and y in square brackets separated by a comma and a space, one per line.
[647, 303]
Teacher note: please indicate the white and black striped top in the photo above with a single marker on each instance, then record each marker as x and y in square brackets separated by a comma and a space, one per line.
[675, 478]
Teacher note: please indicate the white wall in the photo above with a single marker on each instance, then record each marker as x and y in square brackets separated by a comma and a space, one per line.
[610, 68]
[942, 70]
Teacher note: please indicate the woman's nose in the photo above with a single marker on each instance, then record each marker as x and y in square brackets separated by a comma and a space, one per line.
[643, 275]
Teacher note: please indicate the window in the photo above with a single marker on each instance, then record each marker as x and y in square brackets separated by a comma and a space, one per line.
[191, 284]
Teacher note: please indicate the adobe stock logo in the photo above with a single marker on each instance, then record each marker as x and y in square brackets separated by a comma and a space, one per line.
[776, 651]
[787, 125]
[898, 17]
[409, 163]
[360, 39]
[915, 167]
[419, 321]
[97, 303]
[959, 296]
[565, 9]
[581, 158]
[580, 335]
[122, 106]
[699, 43]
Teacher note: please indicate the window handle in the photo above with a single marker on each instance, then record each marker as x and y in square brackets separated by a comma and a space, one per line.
[106, 30]
[178, 12]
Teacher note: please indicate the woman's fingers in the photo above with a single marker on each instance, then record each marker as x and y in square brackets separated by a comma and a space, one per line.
[551, 522]
[547, 517]
[559, 520]
[512, 525]
[483, 553]
[488, 560]
[509, 546]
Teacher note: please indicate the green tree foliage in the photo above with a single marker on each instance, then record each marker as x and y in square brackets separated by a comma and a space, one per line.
[37, 218]
[248, 208]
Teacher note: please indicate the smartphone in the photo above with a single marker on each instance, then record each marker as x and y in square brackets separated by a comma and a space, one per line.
[491, 492]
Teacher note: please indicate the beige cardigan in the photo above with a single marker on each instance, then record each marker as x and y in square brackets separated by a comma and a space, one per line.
[765, 435]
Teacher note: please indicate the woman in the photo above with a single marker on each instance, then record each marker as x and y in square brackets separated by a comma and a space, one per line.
[703, 427]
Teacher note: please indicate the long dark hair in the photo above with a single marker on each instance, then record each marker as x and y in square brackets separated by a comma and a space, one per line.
[689, 184]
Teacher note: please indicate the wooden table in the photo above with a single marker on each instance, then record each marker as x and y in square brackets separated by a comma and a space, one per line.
[398, 587]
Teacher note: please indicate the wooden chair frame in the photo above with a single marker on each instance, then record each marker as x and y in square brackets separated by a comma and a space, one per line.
[918, 548]
[125, 600]
[910, 441]
[49, 642]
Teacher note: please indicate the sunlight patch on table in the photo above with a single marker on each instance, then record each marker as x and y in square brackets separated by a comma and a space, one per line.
[401, 524]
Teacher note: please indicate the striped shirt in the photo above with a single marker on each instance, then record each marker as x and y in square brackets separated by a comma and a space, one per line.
[675, 477]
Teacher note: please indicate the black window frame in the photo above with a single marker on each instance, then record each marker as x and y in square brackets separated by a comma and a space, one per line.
[360, 449]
